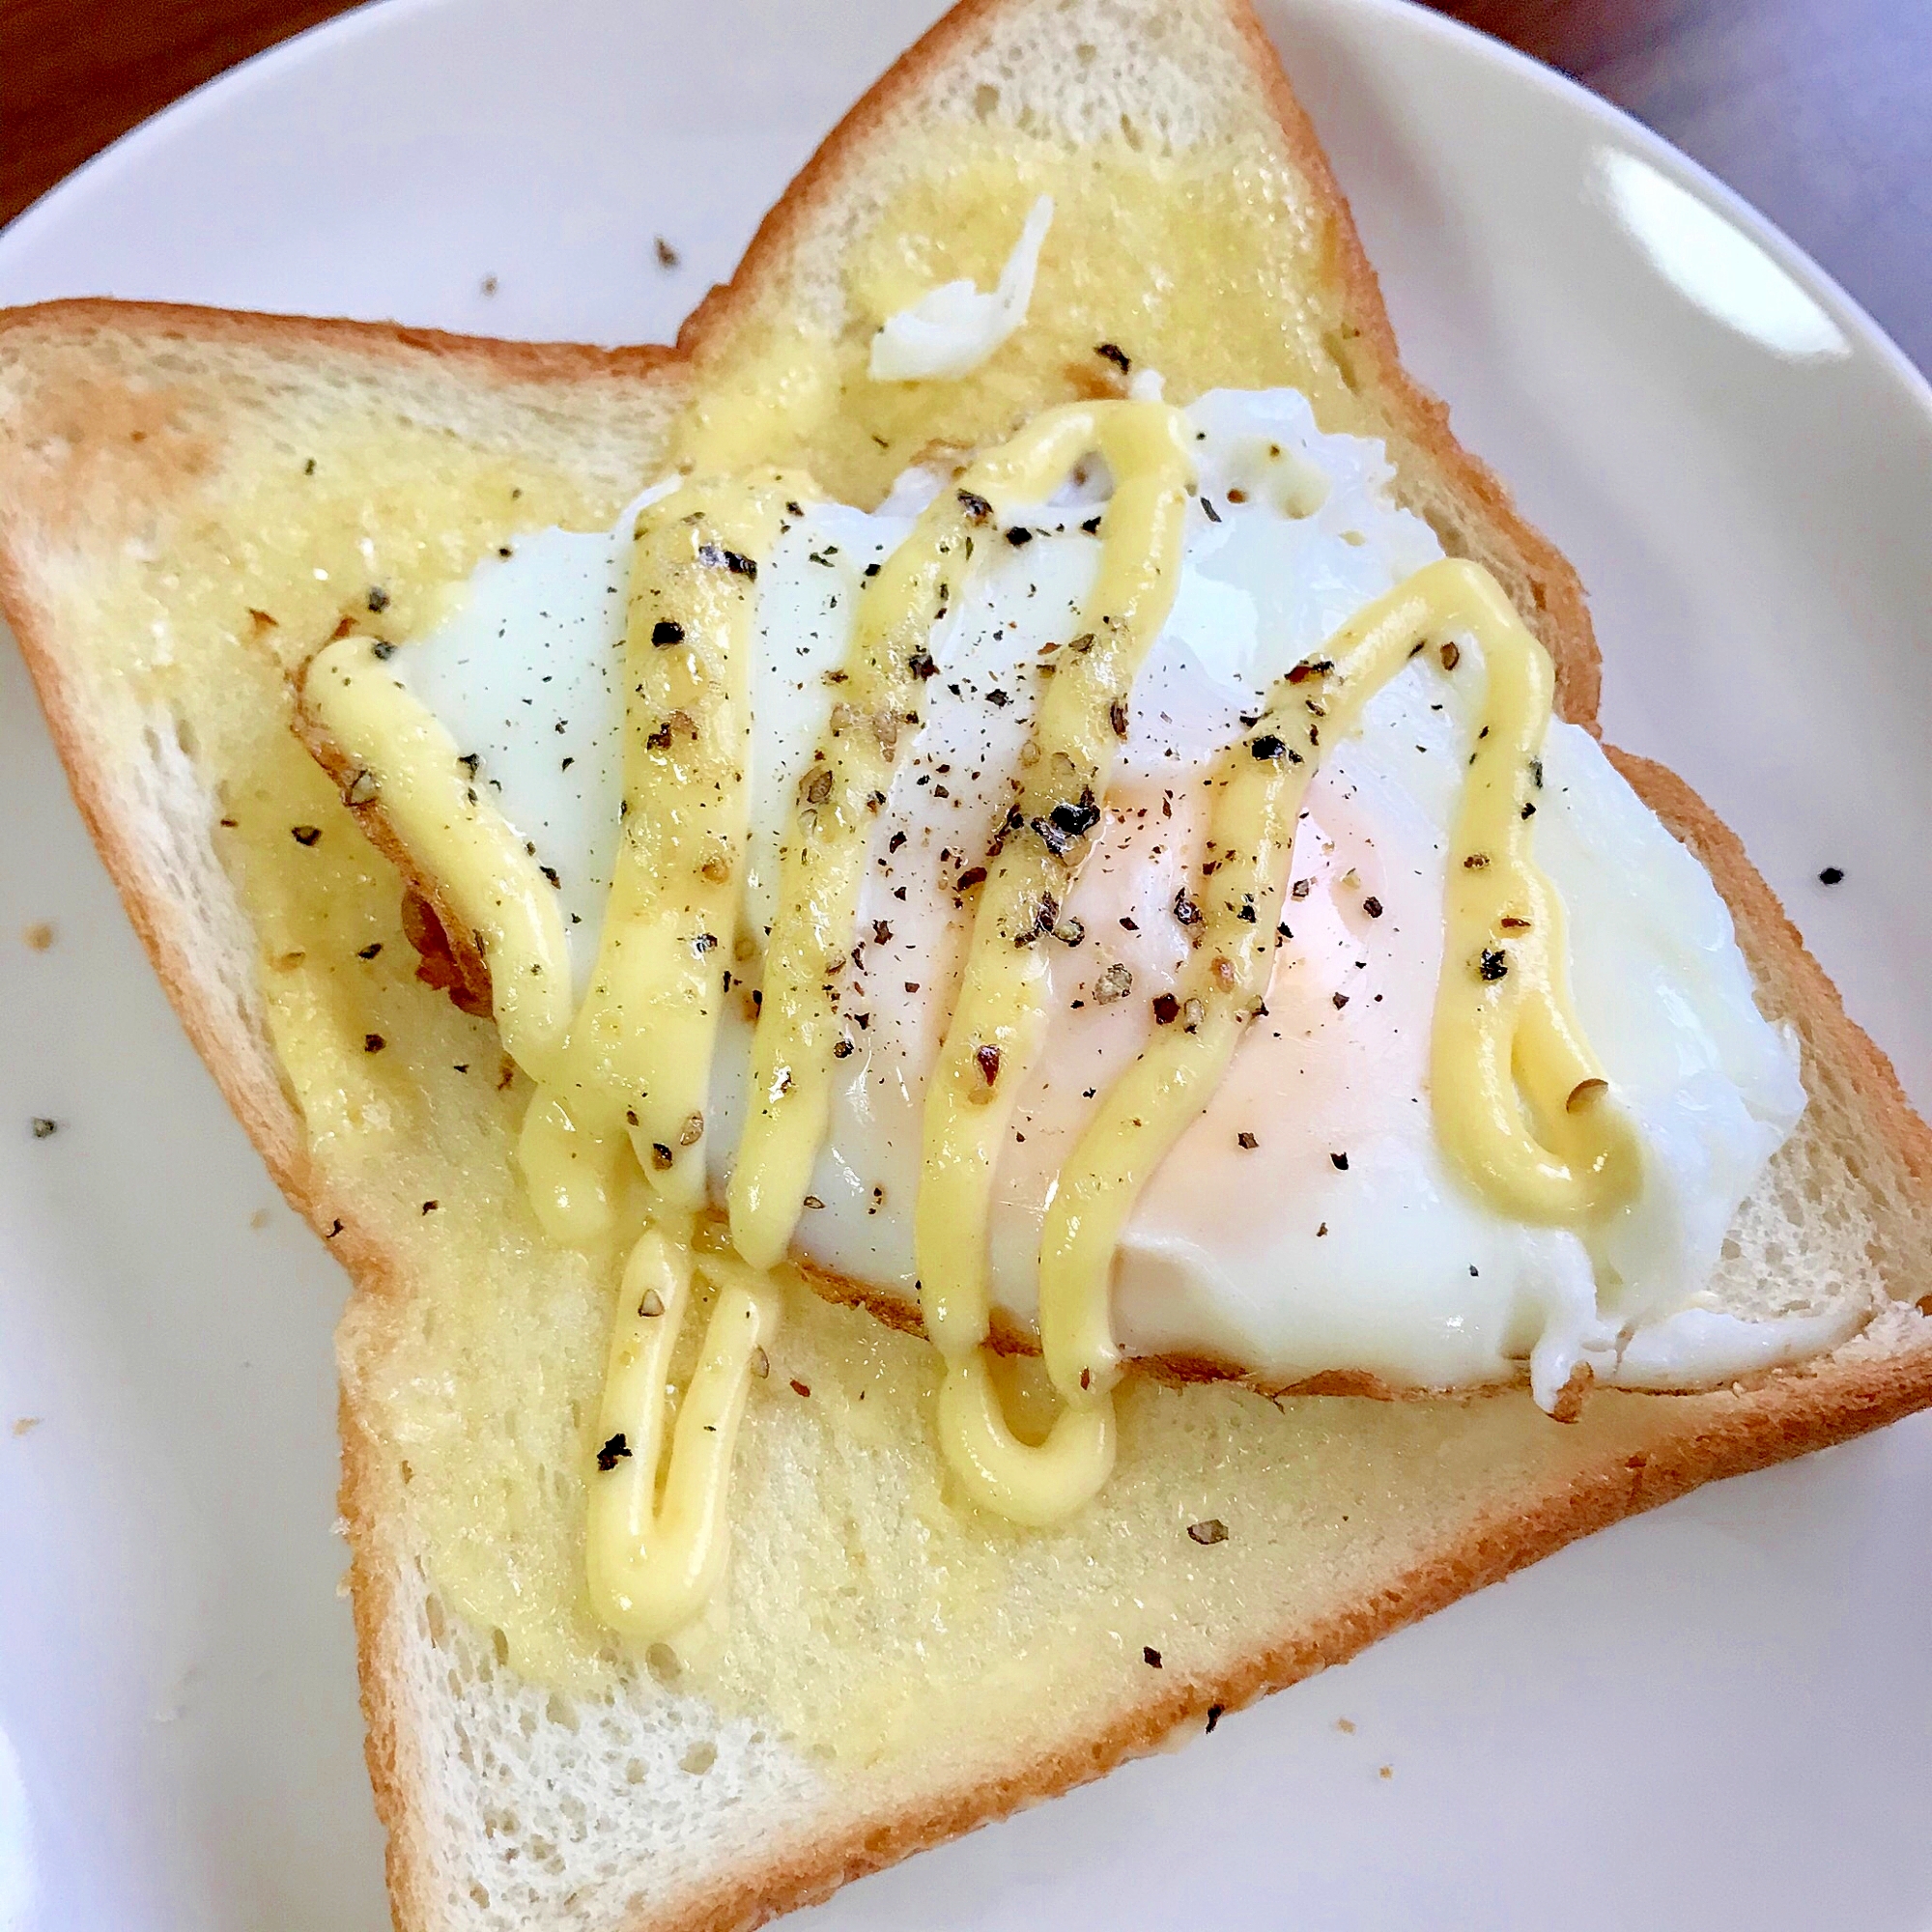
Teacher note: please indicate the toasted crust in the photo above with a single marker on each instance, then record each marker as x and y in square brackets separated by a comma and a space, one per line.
[1789, 1415]
[1780, 1414]
[236, 1053]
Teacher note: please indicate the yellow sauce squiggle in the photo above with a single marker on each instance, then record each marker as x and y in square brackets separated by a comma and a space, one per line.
[653, 1563]
[998, 1018]
[1520, 1102]
[831, 825]
[635, 1059]
[406, 765]
[638, 1059]
[639, 1054]
[1504, 1030]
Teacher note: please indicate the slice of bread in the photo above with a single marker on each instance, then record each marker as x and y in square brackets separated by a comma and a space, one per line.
[189, 502]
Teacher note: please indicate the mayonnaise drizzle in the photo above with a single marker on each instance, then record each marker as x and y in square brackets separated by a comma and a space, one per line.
[404, 764]
[638, 1060]
[1503, 1017]
[653, 1562]
[998, 1018]
[798, 1022]
[1520, 1100]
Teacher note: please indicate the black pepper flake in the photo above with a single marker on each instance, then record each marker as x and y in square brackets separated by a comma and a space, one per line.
[975, 506]
[613, 1452]
[1528, 808]
[1373, 906]
[997, 699]
[799, 1388]
[1247, 1142]
[1340, 1162]
[1151, 1657]
[304, 835]
[842, 1049]
[1073, 819]
[1341, 999]
[667, 257]
[549, 872]
[1092, 527]
[1211, 1530]
[973, 875]
[871, 570]
[1267, 746]
[922, 665]
[373, 1042]
[1112, 352]
[1494, 964]
[1214, 1715]
[430, 1207]
[988, 1057]
[1831, 876]
[308, 469]
[370, 951]
[666, 632]
[470, 761]
[1019, 535]
[1117, 716]
[1185, 911]
[382, 650]
[1301, 888]
[1166, 1009]
[45, 1129]
[379, 597]
[738, 564]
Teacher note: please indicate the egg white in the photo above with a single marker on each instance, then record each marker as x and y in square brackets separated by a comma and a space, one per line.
[1280, 1260]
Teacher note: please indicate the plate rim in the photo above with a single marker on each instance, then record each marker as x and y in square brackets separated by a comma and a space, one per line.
[131, 149]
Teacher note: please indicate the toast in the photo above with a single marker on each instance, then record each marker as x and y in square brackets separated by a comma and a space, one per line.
[190, 501]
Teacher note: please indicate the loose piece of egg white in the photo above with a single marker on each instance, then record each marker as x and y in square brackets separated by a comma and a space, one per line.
[952, 329]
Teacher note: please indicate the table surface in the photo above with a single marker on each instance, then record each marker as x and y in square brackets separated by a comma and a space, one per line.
[1819, 111]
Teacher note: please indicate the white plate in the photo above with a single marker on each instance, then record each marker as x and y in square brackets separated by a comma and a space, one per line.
[1719, 1716]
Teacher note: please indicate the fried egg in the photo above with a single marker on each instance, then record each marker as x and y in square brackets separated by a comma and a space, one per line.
[1309, 1222]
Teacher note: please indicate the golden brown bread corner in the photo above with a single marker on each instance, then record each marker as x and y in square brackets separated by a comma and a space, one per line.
[105, 412]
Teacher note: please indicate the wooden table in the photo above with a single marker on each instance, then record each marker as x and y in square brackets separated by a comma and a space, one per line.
[1819, 111]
